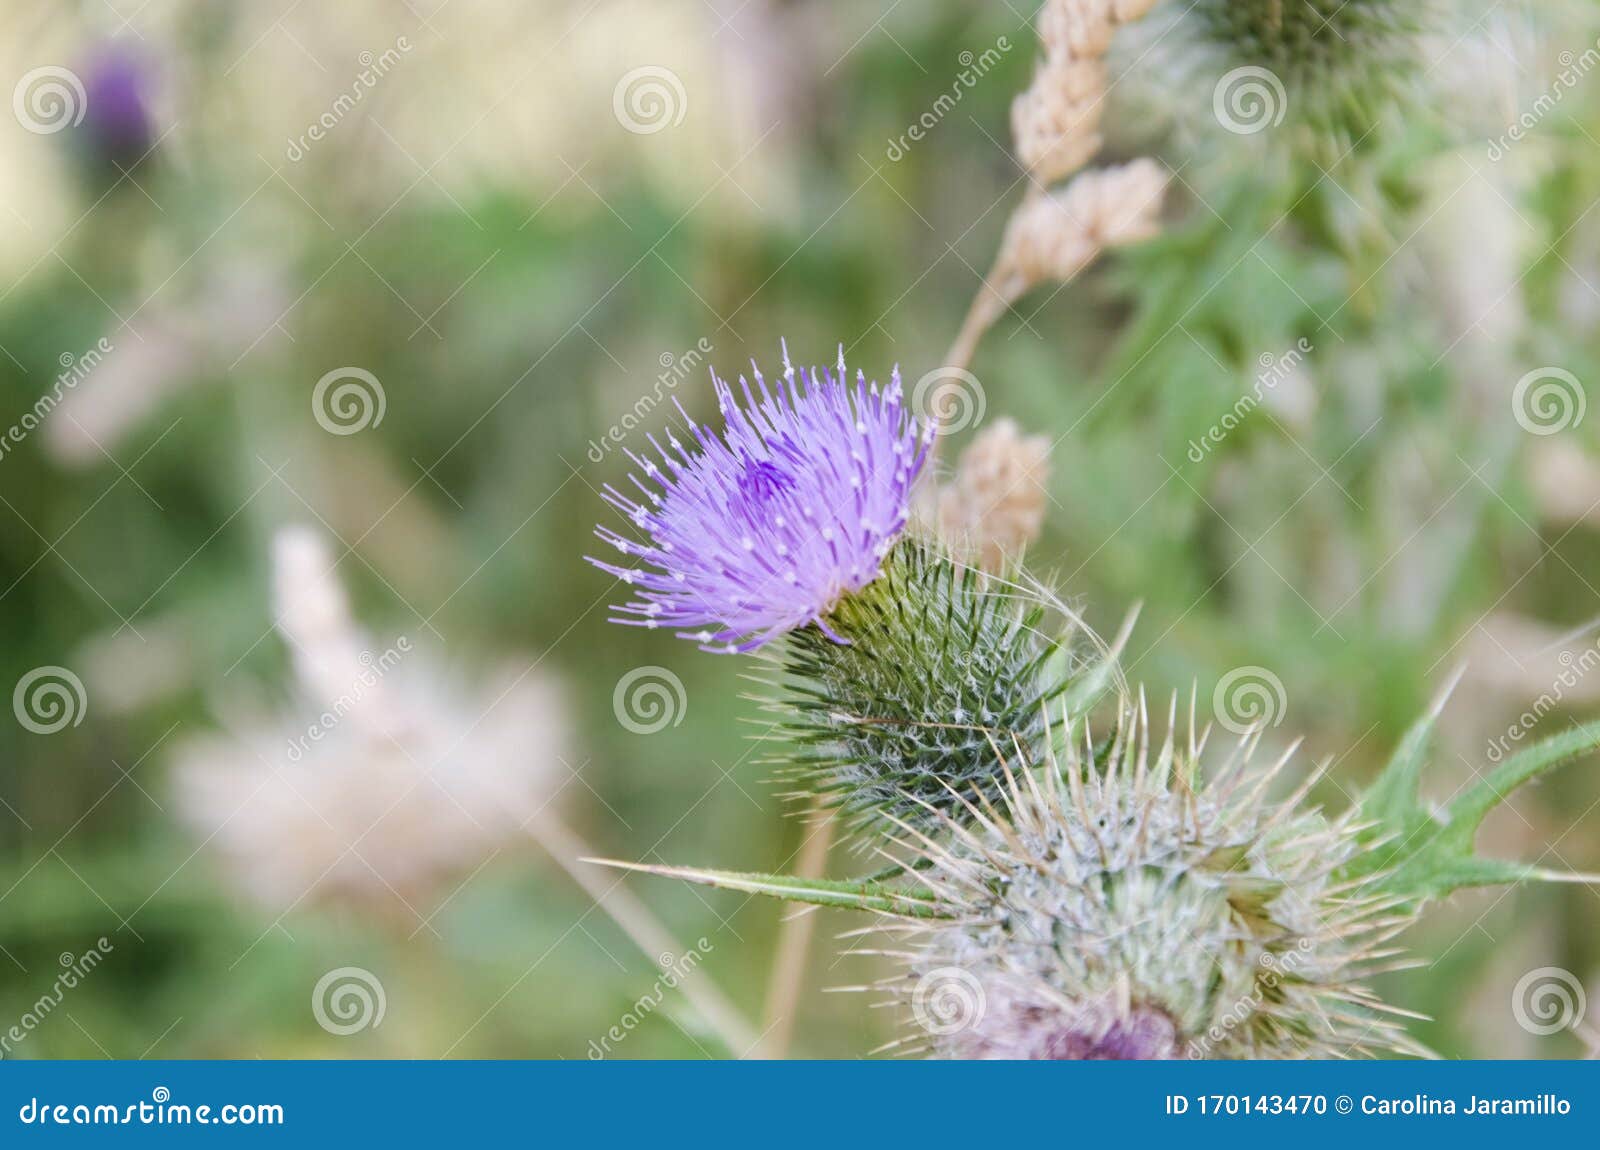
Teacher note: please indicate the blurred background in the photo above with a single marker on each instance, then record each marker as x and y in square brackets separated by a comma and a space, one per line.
[408, 276]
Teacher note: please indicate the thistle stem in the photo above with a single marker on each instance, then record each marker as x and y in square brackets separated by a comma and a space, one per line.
[989, 303]
[980, 317]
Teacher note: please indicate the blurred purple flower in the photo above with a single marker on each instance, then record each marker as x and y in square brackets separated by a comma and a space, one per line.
[117, 89]
[768, 525]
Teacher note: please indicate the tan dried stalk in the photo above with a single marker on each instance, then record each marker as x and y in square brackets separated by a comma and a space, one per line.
[1056, 130]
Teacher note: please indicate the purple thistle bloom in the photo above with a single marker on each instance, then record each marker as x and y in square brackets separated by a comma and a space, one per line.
[764, 528]
[117, 92]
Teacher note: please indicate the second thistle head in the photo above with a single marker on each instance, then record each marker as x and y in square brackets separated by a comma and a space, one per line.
[1337, 65]
[1112, 906]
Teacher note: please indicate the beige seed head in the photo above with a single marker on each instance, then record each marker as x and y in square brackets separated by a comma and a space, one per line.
[1056, 123]
[1055, 236]
[994, 506]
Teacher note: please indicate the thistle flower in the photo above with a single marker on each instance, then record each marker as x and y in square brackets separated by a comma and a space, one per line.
[116, 121]
[1117, 904]
[769, 524]
[900, 667]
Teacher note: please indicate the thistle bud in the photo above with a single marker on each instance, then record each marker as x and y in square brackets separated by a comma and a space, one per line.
[939, 665]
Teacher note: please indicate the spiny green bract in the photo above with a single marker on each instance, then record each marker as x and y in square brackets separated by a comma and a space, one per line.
[1113, 907]
[1341, 62]
[940, 665]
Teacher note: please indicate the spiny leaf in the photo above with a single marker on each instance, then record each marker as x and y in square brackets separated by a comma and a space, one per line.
[851, 894]
[1393, 800]
[1417, 855]
[1471, 808]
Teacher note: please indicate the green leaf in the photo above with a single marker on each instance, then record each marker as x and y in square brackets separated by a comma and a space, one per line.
[1417, 855]
[1471, 808]
[1392, 801]
[852, 894]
